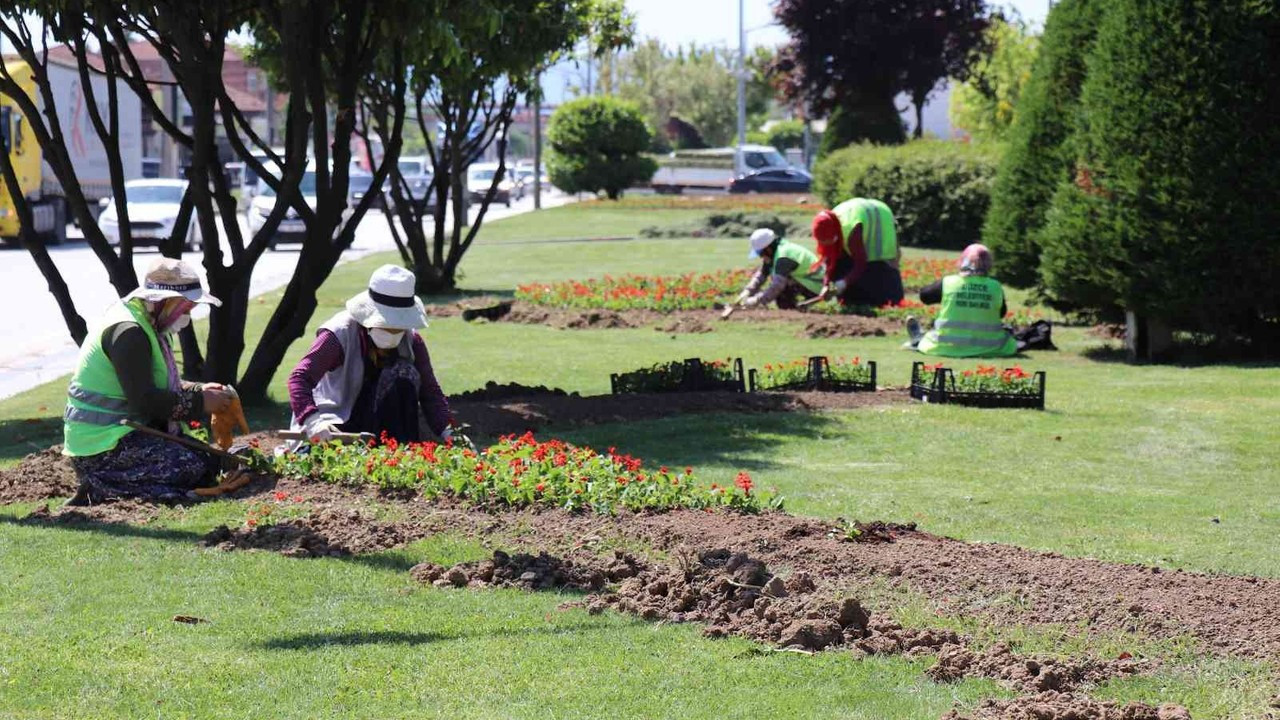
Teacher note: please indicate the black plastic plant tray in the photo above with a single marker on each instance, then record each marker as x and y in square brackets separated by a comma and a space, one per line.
[818, 379]
[691, 375]
[940, 389]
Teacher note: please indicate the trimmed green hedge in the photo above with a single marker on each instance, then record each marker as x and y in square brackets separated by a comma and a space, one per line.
[938, 190]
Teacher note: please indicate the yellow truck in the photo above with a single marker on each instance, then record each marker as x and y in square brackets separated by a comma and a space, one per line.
[88, 156]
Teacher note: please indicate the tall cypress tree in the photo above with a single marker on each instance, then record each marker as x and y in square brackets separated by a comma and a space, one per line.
[1172, 210]
[1038, 157]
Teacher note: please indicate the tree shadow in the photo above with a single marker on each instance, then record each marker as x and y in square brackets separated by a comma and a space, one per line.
[1186, 355]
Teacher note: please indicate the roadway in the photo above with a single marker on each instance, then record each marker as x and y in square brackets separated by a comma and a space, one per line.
[34, 344]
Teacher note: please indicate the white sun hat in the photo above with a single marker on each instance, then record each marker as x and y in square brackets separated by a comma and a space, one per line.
[172, 278]
[389, 302]
[761, 239]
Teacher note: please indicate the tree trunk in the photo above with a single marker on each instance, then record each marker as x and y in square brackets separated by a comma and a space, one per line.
[919, 102]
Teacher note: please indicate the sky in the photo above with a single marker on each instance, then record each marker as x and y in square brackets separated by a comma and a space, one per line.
[715, 22]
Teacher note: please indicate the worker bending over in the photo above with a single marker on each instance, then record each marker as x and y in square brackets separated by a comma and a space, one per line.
[858, 243]
[792, 271]
[368, 369]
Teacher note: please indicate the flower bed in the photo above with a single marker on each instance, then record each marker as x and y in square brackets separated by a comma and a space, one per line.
[816, 373]
[692, 291]
[691, 375]
[522, 471]
[983, 386]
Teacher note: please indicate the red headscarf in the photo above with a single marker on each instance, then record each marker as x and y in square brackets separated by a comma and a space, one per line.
[827, 235]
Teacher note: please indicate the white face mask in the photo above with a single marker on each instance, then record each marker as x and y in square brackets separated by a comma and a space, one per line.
[177, 325]
[385, 339]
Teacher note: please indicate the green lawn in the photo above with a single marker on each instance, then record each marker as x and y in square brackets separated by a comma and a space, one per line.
[1130, 464]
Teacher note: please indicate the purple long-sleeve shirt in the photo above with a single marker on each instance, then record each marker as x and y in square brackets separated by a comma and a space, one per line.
[326, 355]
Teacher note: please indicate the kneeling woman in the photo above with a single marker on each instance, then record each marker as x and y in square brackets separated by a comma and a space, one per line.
[127, 371]
[368, 370]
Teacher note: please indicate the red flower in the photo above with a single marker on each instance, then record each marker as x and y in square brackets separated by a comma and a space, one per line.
[743, 481]
[281, 496]
[194, 424]
[540, 487]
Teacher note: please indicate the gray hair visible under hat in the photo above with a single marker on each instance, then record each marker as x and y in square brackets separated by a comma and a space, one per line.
[172, 278]
[390, 301]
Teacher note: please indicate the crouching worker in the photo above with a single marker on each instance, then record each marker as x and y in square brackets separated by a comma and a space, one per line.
[969, 322]
[793, 273]
[858, 242]
[127, 371]
[368, 370]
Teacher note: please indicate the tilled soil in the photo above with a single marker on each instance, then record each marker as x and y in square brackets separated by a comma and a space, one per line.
[41, 475]
[685, 321]
[552, 411]
[1067, 706]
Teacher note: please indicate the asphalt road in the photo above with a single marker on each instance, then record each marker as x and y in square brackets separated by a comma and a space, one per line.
[34, 344]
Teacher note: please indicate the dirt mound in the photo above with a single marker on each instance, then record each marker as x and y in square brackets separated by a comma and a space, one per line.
[539, 412]
[1066, 706]
[1107, 331]
[118, 512]
[686, 323]
[1029, 674]
[878, 531]
[496, 391]
[329, 532]
[529, 572]
[850, 326]
[40, 475]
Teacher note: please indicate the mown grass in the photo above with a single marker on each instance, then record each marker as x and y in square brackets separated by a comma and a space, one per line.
[1166, 465]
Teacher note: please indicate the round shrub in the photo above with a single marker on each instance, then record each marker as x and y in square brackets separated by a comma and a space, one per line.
[938, 190]
[596, 145]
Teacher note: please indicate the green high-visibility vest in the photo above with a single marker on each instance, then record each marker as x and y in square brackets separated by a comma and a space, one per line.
[95, 400]
[808, 273]
[879, 236]
[969, 322]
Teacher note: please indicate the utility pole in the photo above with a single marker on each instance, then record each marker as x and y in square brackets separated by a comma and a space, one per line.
[537, 143]
[742, 87]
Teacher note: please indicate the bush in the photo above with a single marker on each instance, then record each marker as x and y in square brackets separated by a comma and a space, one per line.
[596, 144]
[727, 224]
[938, 190]
[1037, 158]
[1172, 209]
[853, 123]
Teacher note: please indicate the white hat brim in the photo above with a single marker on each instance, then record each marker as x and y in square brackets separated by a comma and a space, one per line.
[155, 295]
[371, 314]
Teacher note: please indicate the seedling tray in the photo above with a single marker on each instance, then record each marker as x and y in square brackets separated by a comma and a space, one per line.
[691, 375]
[940, 388]
[819, 379]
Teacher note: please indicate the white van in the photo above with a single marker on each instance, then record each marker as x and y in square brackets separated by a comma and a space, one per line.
[713, 169]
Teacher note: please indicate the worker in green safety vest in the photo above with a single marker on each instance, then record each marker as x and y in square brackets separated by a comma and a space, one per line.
[126, 370]
[857, 241]
[970, 322]
[792, 271]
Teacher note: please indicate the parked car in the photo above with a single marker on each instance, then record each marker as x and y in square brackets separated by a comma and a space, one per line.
[791, 180]
[153, 207]
[713, 168]
[291, 228]
[480, 178]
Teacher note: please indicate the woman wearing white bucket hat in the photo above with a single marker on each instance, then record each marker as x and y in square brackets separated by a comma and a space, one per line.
[368, 369]
[127, 371]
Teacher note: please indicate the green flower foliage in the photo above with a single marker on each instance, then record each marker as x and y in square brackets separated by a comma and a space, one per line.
[596, 145]
[938, 190]
[1038, 158]
[1171, 211]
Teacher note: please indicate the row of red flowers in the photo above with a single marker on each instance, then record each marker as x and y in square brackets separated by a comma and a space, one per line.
[520, 471]
[990, 379]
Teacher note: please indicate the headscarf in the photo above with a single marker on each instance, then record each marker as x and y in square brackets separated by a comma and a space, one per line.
[975, 260]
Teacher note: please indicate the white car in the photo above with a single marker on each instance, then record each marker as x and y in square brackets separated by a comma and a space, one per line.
[153, 209]
[291, 228]
[480, 177]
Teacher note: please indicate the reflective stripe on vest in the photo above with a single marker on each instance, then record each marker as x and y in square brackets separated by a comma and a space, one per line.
[76, 392]
[968, 323]
[805, 260]
[93, 417]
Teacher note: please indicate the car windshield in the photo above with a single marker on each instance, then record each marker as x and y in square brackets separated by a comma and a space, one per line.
[146, 194]
[771, 158]
[483, 174]
[306, 187]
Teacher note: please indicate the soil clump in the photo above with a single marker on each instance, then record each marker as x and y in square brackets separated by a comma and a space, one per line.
[40, 475]
[1067, 706]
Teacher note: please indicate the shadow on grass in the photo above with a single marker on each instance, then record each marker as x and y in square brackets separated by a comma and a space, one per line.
[460, 294]
[320, 640]
[20, 437]
[1185, 356]
[394, 560]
